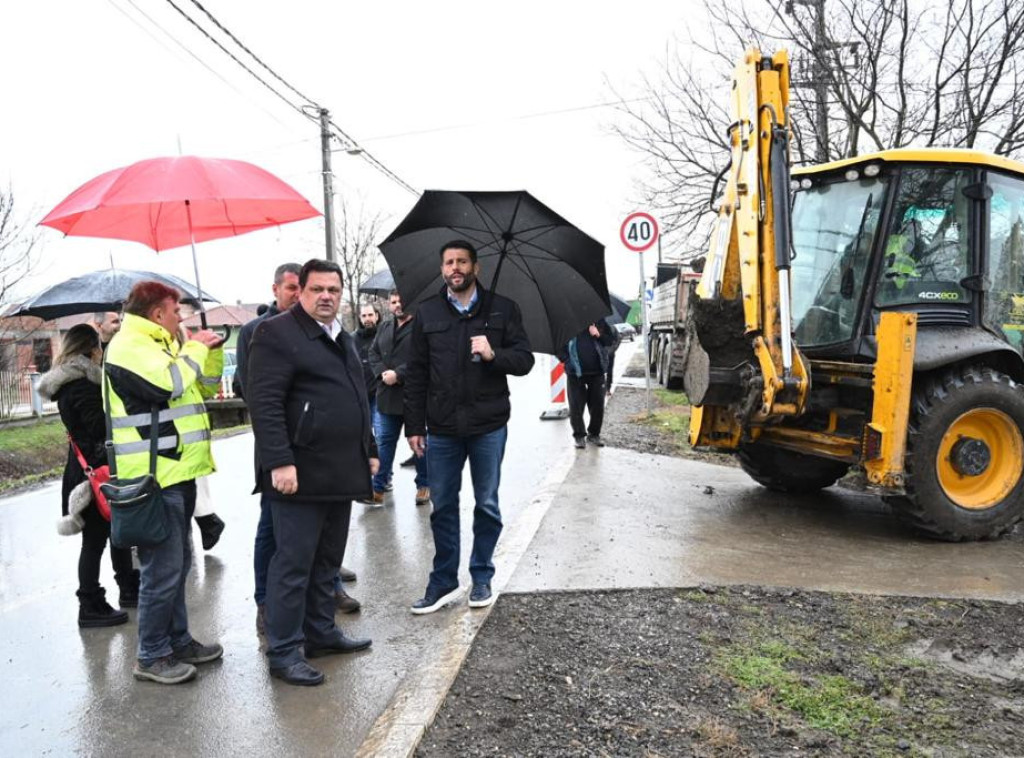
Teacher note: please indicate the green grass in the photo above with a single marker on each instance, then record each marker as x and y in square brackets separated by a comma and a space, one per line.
[43, 435]
[828, 702]
[671, 397]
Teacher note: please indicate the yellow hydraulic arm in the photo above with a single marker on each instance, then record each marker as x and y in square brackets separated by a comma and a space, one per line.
[749, 263]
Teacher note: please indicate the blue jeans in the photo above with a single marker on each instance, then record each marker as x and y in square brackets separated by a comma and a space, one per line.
[263, 549]
[163, 619]
[446, 457]
[389, 432]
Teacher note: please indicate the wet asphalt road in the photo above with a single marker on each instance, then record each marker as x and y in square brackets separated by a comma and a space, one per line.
[68, 691]
[574, 520]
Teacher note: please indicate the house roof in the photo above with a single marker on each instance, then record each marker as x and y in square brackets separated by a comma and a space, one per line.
[223, 315]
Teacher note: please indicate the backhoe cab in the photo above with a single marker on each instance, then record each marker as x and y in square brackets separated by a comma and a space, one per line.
[865, 313]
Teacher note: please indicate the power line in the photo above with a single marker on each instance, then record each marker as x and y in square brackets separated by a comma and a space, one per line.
[233, 57]
[347, 140]
[173, 39]
[252, 55]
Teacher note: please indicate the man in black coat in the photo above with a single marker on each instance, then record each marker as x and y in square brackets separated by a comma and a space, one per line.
[586, 360]
[389, 355]
[465, 342]
[315, 454]
[364, 337]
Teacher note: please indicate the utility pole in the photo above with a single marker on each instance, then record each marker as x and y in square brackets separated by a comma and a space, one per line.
[325, 148]
[823, 51]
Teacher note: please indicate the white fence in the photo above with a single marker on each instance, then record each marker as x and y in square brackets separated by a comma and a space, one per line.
[18, 396]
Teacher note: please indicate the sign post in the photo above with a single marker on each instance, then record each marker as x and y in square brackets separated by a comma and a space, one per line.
[639, 232]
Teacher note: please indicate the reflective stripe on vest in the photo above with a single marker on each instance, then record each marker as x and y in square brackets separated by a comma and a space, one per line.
[164, 443]
[167, 414]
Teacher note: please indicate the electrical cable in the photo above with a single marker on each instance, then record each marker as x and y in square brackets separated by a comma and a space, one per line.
[347, 140]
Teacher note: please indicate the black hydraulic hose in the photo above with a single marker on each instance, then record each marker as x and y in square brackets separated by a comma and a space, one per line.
[779, 169]
[718, 179]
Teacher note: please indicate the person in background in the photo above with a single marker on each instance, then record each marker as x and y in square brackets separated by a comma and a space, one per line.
[107, 324]
[462, 403]
[364, 336]
[74, 382]
[612, 350]
[388, 358]
[148, 369]
[316, 454]
[586, 363]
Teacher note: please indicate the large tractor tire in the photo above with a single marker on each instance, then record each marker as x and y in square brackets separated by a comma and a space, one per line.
[965, 456]
[787, 471]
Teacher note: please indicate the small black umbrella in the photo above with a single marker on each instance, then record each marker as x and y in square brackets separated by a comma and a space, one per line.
[380, 284]
[620, 309]
[98, 291]
[526, 251]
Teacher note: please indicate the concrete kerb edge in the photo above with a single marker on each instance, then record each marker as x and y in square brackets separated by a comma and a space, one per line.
[398, 731]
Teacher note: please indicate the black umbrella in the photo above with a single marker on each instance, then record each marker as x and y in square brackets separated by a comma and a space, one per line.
[99, 291]
[526, 251]
[380, 284]
[620, 309]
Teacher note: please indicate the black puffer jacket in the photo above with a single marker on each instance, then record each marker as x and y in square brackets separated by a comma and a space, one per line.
[307, 399]
[445, 392]
[75, 386]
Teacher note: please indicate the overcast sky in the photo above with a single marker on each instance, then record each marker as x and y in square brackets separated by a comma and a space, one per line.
[446, 94]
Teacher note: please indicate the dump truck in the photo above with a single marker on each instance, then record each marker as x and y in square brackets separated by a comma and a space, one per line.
[673, 284]
[864, 315]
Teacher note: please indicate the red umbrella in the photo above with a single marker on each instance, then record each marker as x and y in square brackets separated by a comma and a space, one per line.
[170, 202]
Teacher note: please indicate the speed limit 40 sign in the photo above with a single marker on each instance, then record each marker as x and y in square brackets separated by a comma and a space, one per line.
[639, 231]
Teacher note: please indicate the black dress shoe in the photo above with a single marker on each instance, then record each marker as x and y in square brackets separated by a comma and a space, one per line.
[300, 674]
[340, 645]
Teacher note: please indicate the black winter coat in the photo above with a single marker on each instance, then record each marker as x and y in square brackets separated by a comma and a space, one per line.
[242, 349]
[391, 350]
[308, 404]
[364, 337]
[75, 387]
[445, 392]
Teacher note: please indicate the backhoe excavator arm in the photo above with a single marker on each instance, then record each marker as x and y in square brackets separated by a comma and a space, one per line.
[742, 367]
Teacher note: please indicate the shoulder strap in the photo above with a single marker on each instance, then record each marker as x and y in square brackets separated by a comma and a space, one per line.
[154, 430]
[78, 454]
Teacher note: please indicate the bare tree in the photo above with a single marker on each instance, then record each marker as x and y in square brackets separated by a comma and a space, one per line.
[868, 75]
[17, 258]
[356, 231]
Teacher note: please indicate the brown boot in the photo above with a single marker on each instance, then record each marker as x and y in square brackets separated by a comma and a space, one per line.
[346, 603]
[423, 496]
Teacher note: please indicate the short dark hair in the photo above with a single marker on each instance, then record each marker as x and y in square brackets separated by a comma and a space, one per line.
[320, 266]
[145, 296]
[392, 293]
[286, 268]
[459, 245]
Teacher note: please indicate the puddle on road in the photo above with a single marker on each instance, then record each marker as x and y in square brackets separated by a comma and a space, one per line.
[984, 664]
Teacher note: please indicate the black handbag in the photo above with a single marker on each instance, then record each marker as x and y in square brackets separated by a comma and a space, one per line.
[138, 517]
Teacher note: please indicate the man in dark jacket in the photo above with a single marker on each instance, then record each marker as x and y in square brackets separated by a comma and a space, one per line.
[586, 360]
[465, 342]
[286, 294]
[315, 454]
[364, 337]
[388, 358]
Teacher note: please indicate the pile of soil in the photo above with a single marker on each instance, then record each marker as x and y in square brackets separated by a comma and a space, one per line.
[740, 671]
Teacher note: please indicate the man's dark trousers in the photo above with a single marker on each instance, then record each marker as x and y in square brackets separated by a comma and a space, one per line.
[586, 391]
[300, 604]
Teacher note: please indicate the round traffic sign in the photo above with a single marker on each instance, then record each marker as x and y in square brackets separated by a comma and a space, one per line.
[639, 231]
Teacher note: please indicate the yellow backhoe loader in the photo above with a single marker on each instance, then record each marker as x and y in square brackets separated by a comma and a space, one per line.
[866, 313]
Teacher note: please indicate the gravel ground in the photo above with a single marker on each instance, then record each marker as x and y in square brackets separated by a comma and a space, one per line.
[737, 672]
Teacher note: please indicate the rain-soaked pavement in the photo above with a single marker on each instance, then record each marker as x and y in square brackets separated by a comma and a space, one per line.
[593, 519]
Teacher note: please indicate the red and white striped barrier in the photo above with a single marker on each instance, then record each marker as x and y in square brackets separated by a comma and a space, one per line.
[559, 407]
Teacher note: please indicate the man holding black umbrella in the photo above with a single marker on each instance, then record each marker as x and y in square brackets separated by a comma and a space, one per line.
[465, 342]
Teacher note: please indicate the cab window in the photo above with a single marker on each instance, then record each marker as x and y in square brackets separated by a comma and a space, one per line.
[926, 252]
[1004, 304]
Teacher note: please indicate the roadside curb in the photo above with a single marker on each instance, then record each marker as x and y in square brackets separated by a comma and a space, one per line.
[398, 731]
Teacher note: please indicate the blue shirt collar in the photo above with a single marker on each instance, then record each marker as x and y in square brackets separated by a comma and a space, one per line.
[458, 306]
